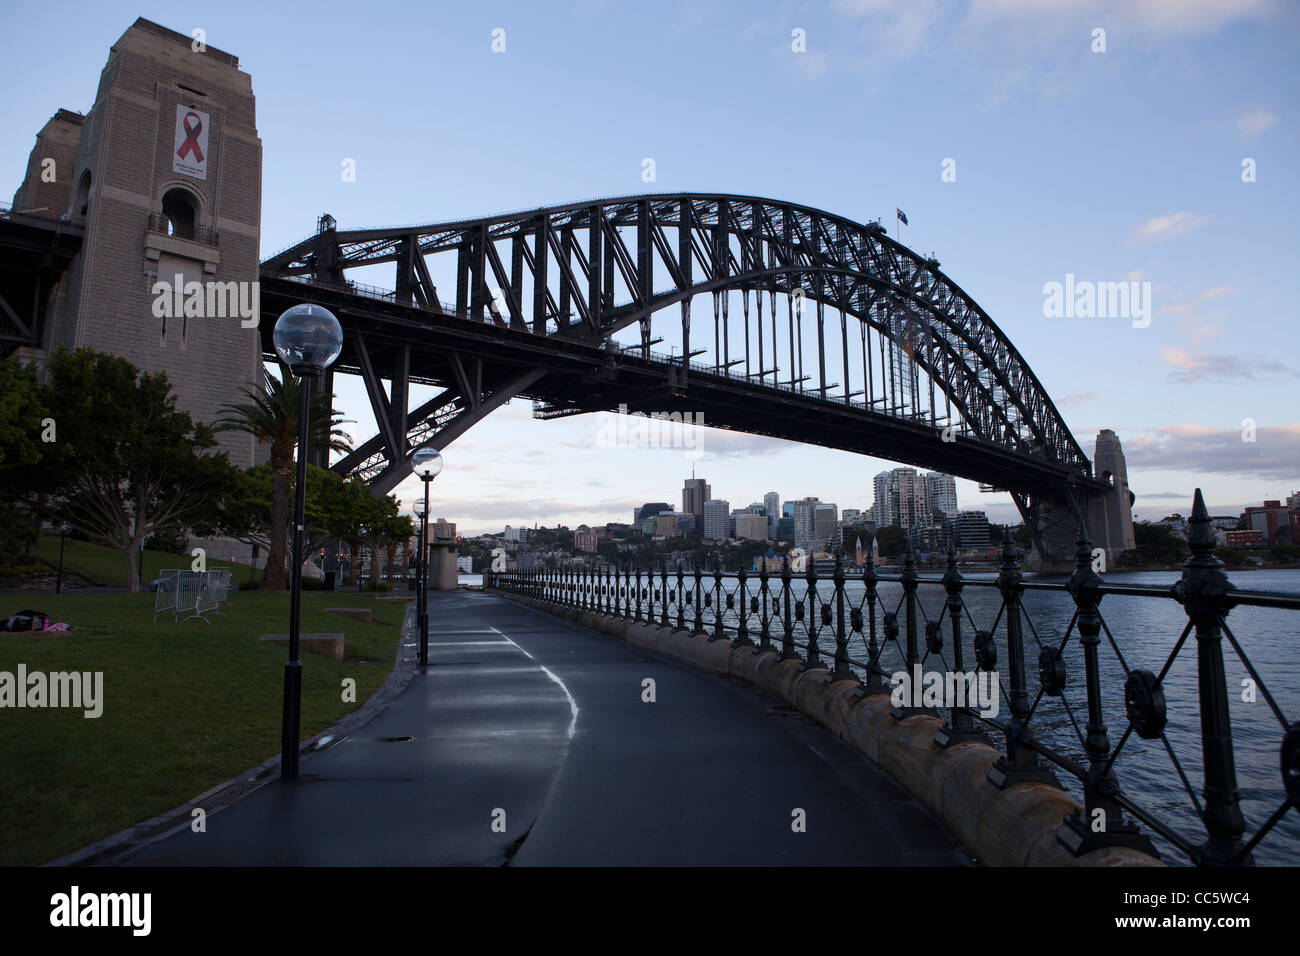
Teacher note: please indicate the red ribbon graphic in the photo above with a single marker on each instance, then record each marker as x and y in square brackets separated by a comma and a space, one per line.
[191, 144]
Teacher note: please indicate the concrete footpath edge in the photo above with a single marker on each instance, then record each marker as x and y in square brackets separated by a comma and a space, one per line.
[111, 849]
[1012, 827]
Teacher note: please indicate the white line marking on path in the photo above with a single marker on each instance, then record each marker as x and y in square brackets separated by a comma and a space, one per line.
[433, 646]
[573, 704]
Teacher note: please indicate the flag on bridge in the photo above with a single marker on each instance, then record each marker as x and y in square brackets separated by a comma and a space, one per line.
[902, 217]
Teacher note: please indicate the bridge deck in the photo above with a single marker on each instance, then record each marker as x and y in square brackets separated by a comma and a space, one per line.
[545, 720]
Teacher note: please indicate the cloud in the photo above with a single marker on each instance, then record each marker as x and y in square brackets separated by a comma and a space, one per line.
[1199, 330]
[1206, 366]
[1170, 226]
[1256, 121]
[1077, 398]
[1188, 305]
[1155, 16]
[1275, 453]
[891, 31]
[1194, 321]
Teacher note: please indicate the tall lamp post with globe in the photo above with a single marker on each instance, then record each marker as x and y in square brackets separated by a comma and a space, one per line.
[426, 463]
[308, 339]
[419, 509]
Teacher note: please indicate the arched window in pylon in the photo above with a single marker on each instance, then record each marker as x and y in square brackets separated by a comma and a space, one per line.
[81, 204]
[181, 211]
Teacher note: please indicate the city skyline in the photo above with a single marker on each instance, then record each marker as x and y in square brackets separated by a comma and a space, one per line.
[786, 502]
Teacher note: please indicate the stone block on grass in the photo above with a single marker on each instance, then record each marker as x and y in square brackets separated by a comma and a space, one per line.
[356, 613]
[329, 645]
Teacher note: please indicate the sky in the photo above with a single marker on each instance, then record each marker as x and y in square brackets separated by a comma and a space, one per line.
[1115, 156]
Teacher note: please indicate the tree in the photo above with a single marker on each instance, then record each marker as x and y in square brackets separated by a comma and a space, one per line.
[21, 452]
[383, 532]
[127, 462]
[245, 512]
[890, 540]
[271, 416]
[348, 511]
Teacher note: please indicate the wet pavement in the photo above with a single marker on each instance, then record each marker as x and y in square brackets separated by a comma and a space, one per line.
[527, 741]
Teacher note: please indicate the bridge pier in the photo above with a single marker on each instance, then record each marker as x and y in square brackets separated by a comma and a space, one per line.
[1053, 517]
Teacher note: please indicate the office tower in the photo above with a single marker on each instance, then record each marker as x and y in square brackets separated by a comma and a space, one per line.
[695, 492]
[717, 519]
[826, 526]
[804, 522]
[772, 504]
[940, 493]
[972, 529]
[751, 527]
[900, 498]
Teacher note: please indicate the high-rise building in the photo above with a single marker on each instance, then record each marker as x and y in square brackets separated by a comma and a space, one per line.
[785, 529]
[805, 526]
[717, 519]
[972, 529]
[884, 492]
[826, 526]
[940, 493]
[772, 502]
[900, 498]
[751, 527]
[695, 492]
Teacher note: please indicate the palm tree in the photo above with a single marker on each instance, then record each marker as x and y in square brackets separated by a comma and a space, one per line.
[271, 416]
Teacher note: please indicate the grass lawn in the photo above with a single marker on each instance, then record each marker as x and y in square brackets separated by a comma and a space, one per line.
[107, 568]
[185, 706]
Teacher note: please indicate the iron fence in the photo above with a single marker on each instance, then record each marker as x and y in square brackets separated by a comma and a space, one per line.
[872, 628]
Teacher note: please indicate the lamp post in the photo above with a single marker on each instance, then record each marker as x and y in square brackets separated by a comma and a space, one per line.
[427, 463]
[419, 509]
[308, 339]
[58, 580]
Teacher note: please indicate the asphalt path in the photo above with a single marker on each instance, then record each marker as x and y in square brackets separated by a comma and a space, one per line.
[530, 741]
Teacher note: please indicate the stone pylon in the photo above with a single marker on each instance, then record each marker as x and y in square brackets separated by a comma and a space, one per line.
[165, 173]
[1111, 515]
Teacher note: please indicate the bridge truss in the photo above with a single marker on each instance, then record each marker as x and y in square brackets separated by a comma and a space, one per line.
[546, 301]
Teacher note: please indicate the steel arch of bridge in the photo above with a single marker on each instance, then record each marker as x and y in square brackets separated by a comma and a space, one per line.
[576, 274]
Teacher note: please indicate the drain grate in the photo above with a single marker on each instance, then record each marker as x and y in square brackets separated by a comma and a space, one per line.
[230, 794]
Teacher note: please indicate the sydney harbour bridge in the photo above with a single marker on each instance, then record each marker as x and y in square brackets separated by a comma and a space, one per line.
[846, 339]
